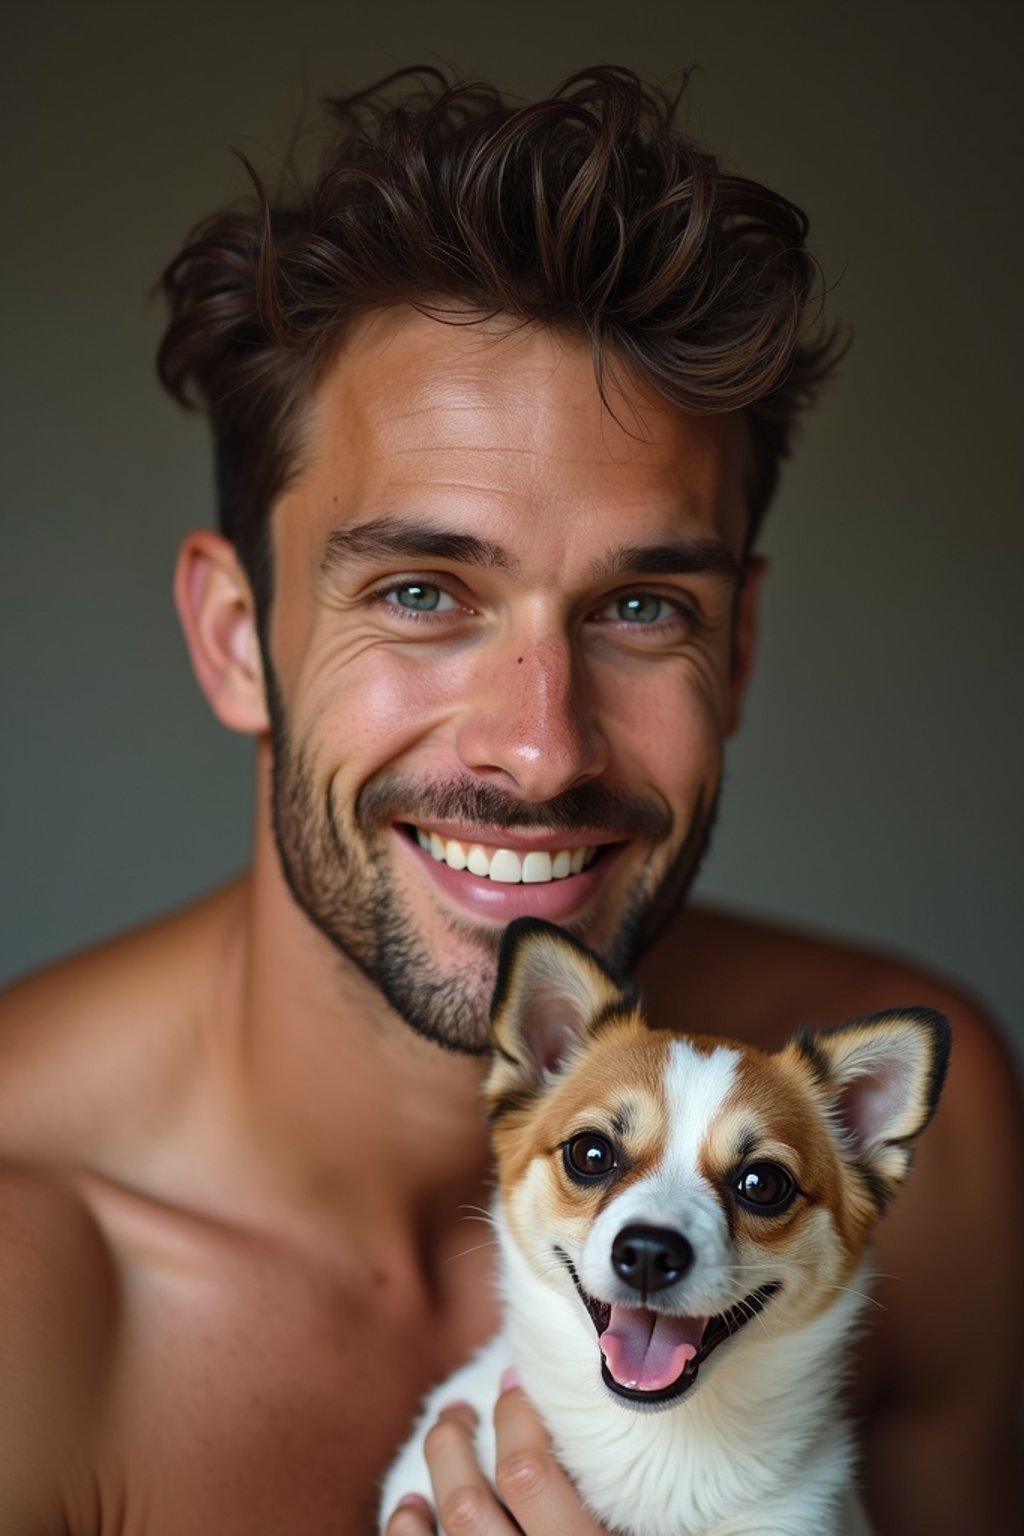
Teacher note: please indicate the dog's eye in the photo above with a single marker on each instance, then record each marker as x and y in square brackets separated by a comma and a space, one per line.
[589, 1156]
[765, 1187]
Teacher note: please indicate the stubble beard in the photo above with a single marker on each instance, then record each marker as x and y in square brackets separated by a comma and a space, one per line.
[328, 861]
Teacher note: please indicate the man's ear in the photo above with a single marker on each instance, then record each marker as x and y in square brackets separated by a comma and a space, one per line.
[744, 637]
[218, 615]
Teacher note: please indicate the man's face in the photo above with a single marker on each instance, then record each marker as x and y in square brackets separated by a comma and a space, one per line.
[502, 639]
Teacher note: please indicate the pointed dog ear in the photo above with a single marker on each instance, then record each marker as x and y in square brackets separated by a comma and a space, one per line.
[883, 1076]
[551, 992]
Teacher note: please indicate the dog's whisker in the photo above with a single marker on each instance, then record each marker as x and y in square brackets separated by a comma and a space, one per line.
[763, 1322]
[851, 1290]
[476, 1248]
[777, 1266]
[547, 1263]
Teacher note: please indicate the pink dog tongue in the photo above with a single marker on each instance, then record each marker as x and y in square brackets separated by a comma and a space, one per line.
[647, 1350]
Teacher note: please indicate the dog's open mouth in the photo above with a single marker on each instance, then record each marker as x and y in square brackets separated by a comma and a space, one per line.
[653, 1357]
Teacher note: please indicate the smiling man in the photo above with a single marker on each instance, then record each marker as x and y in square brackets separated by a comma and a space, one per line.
[498, 404]
[508, 633]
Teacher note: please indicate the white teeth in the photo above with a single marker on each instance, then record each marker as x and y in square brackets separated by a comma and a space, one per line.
[478, 862]
[455, 854]
[538, 867]
[561, 864]
[506, 866]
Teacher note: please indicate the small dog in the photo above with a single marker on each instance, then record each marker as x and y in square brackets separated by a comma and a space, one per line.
[683, 1225]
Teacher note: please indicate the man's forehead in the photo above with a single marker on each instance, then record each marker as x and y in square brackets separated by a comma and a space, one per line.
[493, 413]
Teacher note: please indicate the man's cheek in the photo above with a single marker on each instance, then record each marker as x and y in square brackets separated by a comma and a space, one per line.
[669, 736]
[372, 717]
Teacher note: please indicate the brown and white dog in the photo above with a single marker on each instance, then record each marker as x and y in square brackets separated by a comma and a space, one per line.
[683, 1225]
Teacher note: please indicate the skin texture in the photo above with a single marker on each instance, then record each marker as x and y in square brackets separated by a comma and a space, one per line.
[235, 1185]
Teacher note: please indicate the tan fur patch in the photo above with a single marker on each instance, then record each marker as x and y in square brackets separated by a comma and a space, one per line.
[775, 1113]
[617, 1089]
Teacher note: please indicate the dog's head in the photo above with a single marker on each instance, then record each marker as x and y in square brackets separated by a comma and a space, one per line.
[677, 1186]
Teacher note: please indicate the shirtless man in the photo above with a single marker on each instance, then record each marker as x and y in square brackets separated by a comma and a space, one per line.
[460, 593]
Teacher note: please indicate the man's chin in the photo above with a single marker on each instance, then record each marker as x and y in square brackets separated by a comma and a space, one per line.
[453, 1008]
[405, 927]
[429, 945]
[450, 1008]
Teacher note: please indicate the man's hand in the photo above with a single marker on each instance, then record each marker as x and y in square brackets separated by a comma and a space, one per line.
[536, 1497]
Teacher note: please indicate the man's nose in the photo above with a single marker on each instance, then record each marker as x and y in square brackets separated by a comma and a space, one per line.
[530, 726]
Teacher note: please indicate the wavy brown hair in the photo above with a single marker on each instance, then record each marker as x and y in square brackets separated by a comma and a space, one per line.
[589, 212]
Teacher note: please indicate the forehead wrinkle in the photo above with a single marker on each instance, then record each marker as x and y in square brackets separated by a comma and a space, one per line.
[423, 450]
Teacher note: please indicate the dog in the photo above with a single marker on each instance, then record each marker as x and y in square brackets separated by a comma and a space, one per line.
[683, 1224]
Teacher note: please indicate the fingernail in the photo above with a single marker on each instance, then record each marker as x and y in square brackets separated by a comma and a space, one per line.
[412, 1515]
[459, 1407]
[509, 1378]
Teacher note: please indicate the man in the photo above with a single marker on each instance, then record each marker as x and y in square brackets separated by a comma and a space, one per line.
[498, 406]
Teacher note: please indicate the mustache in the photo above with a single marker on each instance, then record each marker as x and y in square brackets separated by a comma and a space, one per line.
[583, 808]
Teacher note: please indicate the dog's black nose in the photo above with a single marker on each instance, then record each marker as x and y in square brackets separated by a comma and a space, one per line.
[650, 1258]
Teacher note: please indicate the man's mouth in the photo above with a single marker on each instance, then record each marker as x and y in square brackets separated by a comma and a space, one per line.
[507, 866]
[652, 1358]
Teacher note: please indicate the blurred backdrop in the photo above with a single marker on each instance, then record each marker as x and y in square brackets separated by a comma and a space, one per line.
[876, 789]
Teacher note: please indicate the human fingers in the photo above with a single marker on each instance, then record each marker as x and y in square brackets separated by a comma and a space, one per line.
[413, 1517]
[530, 1481]
[466, 1503]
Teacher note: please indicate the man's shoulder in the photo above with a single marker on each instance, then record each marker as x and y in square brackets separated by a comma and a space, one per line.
[134, 957]
[86, 1036]
[751, 975]
[58, 1313]
[48, 1237]
[95, 1059]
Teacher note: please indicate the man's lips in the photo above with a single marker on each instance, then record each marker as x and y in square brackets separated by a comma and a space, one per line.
[542, 875]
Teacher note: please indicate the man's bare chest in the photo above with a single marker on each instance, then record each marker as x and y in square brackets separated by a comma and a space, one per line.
[264, 1397]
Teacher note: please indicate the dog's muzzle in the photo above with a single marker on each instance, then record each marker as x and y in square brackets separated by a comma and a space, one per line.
[649, 1357]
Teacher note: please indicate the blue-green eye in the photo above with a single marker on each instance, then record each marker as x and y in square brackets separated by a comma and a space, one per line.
[639, 608]
[420, 597]
[645, 608]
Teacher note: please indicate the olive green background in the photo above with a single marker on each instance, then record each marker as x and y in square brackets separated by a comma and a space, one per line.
[876, 788]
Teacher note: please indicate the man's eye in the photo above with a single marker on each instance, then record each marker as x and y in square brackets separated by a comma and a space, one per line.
[419, 597]
[639, 608]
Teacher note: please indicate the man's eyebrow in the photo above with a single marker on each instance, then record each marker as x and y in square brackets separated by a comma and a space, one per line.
[676, 557]
[384, 538]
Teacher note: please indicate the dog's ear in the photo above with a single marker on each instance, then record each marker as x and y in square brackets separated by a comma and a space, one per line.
[550, 993]
[882, 1076]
